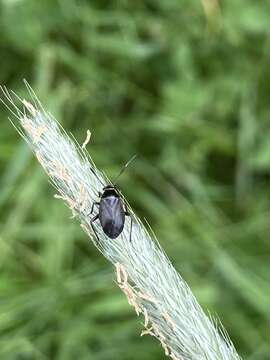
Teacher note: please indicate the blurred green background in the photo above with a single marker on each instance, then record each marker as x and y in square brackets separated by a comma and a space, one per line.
[186, 85]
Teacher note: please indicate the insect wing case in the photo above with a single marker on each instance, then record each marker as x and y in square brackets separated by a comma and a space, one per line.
[112, 216]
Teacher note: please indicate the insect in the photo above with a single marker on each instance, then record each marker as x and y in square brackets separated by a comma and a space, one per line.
[112, 209]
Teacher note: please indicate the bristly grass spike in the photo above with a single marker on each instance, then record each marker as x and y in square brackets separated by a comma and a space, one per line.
[148, 279]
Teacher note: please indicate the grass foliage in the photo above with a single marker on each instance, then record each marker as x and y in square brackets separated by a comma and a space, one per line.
[185, 86]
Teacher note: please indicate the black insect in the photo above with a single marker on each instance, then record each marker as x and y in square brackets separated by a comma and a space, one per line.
[112, 210]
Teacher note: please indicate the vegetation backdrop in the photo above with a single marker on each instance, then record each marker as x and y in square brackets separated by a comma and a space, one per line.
[186, 85]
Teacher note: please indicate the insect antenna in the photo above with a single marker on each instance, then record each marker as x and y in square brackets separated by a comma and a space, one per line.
[123, 169]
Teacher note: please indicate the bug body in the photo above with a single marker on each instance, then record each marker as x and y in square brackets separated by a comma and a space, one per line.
[111, 213]
[112, 209]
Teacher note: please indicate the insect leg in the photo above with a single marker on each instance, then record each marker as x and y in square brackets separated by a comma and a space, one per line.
[93, 228]
[92, 207]
[127, 213]
[131, 223]
[94, 218]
